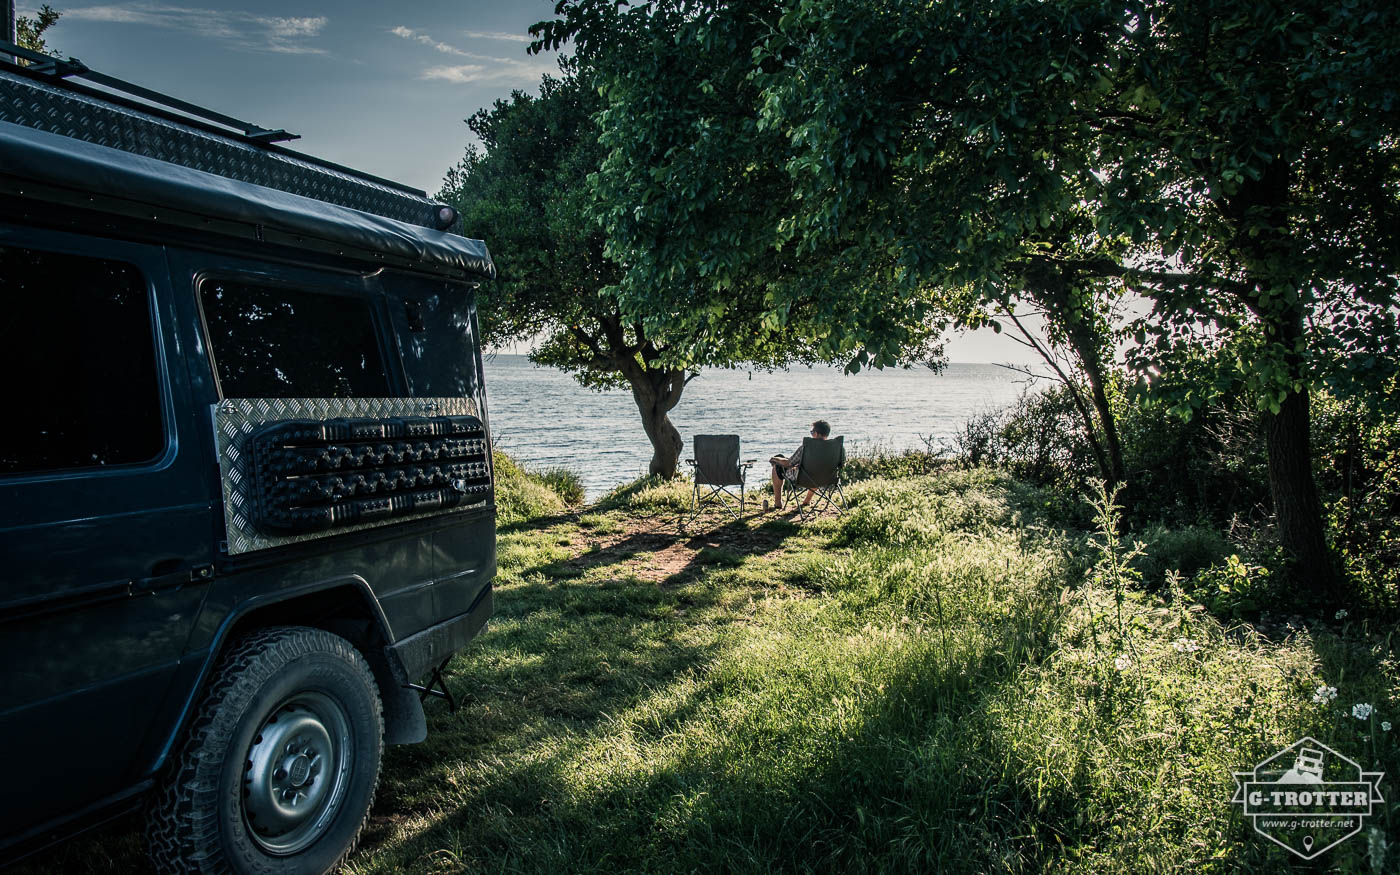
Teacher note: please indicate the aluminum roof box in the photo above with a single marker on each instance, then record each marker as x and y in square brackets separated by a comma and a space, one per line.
[58, 132]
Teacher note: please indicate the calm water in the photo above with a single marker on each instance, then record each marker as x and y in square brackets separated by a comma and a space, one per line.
[543, 418]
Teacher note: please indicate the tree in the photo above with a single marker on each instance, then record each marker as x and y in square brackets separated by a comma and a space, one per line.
[526, 190]
[1237, 164]
[694, 161]
[29, 32]
[689, 196]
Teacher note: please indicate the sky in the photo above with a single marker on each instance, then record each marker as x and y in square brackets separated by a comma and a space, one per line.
[380, 87]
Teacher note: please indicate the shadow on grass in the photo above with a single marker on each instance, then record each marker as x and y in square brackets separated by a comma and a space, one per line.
[911, 787]
[538, 523]
[678, 557]
[491, 790]
[555, 662]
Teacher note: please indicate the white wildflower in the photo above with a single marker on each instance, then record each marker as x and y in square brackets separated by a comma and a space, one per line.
[1122, 662]
[1185, 645]
[1342, 614]
[1385, 726]
[1376, 847]
[1362, 711]
[1324, 694]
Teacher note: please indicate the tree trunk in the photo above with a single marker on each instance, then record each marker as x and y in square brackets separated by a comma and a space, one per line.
[1297, 508]
[656, 393]
[1049, 292]
[1084, 343]
[1260, 213]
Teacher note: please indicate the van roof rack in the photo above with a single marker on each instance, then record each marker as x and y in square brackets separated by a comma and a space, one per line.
[57, 68]
[60, 73]
[53, 94]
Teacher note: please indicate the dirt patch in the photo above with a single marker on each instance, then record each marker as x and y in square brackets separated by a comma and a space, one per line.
[655, 548]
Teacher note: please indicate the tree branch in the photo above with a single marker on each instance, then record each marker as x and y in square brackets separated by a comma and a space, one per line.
[1108, 268]
[1073, 392]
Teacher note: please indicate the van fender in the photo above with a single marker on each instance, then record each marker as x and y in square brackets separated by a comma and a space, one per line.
[365, 626]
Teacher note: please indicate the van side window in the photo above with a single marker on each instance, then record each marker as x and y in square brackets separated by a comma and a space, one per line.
[78, 354]
[435, 336]
[275, 342]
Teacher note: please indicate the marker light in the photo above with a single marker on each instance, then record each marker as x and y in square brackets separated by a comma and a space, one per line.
[444, 216]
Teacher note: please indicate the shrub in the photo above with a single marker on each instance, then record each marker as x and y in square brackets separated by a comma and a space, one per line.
[1187, 551]
[879, 460]
[565, 483]
[1357, 445]
[1040, 438]
[521, 495]
[978, 442]
[1043, 440]
[1211, 468]
[1234, 588]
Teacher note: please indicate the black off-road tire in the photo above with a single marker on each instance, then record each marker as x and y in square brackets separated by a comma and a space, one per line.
[272, 688]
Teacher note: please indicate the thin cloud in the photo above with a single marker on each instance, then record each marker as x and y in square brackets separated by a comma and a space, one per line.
[290, 27]
[411, 34]
[244, 30]
[526, 70]
[496, 34]
[459, 75]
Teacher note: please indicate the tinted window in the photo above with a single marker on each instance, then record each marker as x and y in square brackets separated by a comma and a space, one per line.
[275, 342]
[436, 336]
[78, 356]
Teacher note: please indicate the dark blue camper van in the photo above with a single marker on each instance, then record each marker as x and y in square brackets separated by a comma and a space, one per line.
[246, 507]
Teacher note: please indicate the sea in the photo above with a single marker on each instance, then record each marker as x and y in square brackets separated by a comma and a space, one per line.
[543, 418]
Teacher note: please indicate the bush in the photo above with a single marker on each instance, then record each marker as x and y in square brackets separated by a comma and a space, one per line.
[878, 460]
[1039, 438]
[522, 495]
[1043, 440]
[565, 483]
[1209, 469]
[1235, 588]
[1187, 551]
[978, 442]
[1357, 446]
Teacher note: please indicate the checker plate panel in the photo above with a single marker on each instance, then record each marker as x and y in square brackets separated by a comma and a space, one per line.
[235, 420]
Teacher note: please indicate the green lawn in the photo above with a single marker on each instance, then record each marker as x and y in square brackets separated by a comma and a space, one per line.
[934, 682]
[925, 684]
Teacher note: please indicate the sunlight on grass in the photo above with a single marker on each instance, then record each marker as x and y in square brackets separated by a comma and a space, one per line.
[946, 678]
[927, 682]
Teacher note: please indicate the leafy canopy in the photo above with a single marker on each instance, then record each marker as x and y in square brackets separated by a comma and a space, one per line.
[691, 194]
[1234, 162]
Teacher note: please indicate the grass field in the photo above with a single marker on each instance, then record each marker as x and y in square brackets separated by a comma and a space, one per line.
[943, 679]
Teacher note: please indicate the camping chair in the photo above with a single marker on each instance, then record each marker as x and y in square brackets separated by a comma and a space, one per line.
[819, 470]
[716, 465]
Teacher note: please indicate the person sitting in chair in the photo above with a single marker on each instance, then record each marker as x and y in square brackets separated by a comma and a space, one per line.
[786, 469]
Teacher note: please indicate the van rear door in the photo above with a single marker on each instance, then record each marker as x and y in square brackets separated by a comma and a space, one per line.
[435, 327]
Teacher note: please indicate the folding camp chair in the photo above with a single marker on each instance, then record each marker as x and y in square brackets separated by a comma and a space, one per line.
[819, 469]
[717, 467]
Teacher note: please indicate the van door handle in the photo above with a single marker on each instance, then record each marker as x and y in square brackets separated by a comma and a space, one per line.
[172, 580]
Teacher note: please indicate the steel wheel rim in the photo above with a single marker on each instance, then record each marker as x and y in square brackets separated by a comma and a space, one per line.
[295, 773]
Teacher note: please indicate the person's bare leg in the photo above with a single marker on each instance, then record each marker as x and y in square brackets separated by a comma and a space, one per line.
[808, 502]
[777, 489]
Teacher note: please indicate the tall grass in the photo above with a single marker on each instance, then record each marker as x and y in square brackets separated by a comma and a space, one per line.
[944, 679]
[523, 495]
[915, 687]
